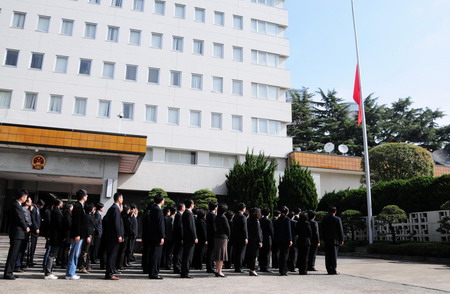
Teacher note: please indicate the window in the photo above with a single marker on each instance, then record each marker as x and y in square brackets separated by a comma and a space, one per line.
[11, 57]
[151, 112]
[153, 75]
[195, 118]
[236, 123]
[108, 70]
[238, 22]
[61, 64]
[221, 160]
[94, 1]
[43, 23]
[116, 3]
[135, 37]
[264, 58]
[128, 110]
[55, 103]
[30, 101]
[149, 155]
[180, 11]
[197, 81]
[175, 78]
[80, 106]
[218, 84]
[265, 126]
[157, 40]
[90, 30]
[218, 50]
[113, 34]
[5, 98]
[160, 7]
[173, 116]
[183, 157]
[131, 72]
[272, 3]
[216, 120]
[199, 14]
[85, 67]
[37, 60]
[18, 21]
[177, 44]
[263, 27]
[265, 91]
[238, 87]
[219, 18]
[104, 108]
[198, 47]
[67, 27]
[138, 5]
[238, 54]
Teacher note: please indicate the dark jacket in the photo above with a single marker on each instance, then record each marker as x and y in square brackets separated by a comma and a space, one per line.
[189, 231]
[178, 227]
[113, 224]
[240, 232]
[267, 231]
[79, 221]
[58, 230]
[145, 227]
[254, 236]
[210, 223]
[90, 225]
[222, 228]
[98, 224]
[134, 226]
[169, 227]
[200, 227]
[303, 231]
[35, 219]
[17, 225]
[315, 237]
[157, 225]
[126, 219]
[67, 225]
[333, 233]
[282, 230]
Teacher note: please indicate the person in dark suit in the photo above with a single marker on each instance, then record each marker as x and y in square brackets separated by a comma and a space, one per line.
[303, 232]
[145, 237]
[292, 258]
[267, 233]
[36, 220]
[229, 214]
[98, 232]
[20, 264]
[221, 235]
[135, 232]
[167, 253]
[67, 225]
[189, 238]
[57, 235]
[78, 233]
[199, 248]
[240, 237]
[121, 254]
[283, 236]
[255, 239]
[315, 240]
[157, 233]
[17, 230]
[84, 261]
[178, 238]
[333, 235]
[113, 234]
[275, 246]
[210, 217]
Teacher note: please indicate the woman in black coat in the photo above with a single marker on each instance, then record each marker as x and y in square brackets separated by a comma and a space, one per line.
[199, 250]
[121, 260]
[221, 236]
[304, 233]
[57, 234]
[254, 239]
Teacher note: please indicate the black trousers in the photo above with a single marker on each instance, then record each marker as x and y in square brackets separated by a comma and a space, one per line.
[177, 256]
[302, 260]
[95, 246]
[167, 254]
[144, 261]
[292, 259]
[239, 255]
[199, 252]
[188, 253]
[283, 257]
[331, 252]
[121, 253]
[48, 269]
[14, 247]
[112, 247]
[312, 257]
[22, 251]
[34, 239]
[275, 255]
[154, 258]
[209, 256]
[263, 258]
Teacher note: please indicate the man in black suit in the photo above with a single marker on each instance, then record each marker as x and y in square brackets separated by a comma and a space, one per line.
[156, 237]
[178, 238]
[283, 236]
[240, 237]
[189, 238]
[333, 235]
[210, 217]
[315, 240]
[36, 220]
[267, 232]
[275, 247]
[167, 252]
[113, 234]
[17, 230]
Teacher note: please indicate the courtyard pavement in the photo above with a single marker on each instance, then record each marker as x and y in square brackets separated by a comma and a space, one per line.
[358, 275]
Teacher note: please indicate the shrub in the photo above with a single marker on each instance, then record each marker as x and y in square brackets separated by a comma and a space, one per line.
[390, 215]
[203, 197]
[427, 249]
[156, 192]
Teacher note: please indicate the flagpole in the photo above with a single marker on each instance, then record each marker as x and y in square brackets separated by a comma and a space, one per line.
[364, 129]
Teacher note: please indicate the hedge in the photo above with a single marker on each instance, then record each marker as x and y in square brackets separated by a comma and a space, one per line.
[426, 249]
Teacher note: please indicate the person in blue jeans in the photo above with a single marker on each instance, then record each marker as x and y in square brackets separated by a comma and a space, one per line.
[78, 234]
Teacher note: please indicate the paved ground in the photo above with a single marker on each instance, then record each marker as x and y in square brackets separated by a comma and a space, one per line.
[358, 275]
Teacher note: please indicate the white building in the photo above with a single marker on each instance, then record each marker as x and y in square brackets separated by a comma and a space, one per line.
[203, 80]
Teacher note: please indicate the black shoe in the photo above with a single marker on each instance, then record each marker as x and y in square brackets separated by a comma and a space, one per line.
[117, 272]
[13, 277]
[19, 270]
[238, 271]
[177, 272]
[266, 271]
[333, 273]
[156, 277]
[312, 270]
[252, 274]
[187, 277]
[303, 274]
[284, 274]
[210, 271]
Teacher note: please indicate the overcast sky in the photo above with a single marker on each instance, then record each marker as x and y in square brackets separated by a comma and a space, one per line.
[404, 49]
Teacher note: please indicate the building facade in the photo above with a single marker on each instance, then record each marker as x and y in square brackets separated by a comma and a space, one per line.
[203, 81]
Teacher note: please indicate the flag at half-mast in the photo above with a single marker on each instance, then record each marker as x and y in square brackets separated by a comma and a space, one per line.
[357, 95]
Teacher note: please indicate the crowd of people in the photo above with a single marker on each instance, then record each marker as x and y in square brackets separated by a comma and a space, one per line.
[177, 239]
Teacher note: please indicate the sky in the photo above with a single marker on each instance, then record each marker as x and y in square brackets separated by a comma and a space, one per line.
[404, 49]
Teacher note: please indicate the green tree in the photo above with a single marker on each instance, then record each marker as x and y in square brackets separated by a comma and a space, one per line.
[157, 192]
[253, 181]
[297, 188]
[352, 221]
[390, 215]
[444, 223]
[203, 197]
[394, 161]
[320, 215]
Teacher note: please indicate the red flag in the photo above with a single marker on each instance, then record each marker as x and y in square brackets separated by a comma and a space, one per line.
[357, 95]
